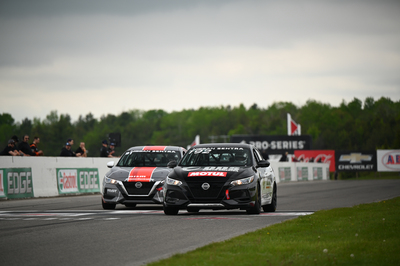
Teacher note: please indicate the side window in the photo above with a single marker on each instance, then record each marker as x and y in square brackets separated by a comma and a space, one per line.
[257, 155]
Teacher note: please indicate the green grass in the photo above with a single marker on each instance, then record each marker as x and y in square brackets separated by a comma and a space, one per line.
[367, 234]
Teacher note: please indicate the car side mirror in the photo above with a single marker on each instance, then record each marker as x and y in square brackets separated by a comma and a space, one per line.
[172, 164]
[110, 164]
[263, 163]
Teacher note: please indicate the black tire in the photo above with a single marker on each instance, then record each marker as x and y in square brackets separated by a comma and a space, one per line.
[256, 209]
[170, 210]
[274, 203]
[108, 206]
[192, 209]
[130, 205]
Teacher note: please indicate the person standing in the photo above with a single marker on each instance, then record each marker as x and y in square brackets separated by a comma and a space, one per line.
[81, 150]
[104, 149]
[10, 149]
[66, 151]
[35, 150]
[24, 147]
[111, 150]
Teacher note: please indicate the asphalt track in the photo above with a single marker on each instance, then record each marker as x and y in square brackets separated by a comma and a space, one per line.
[76, 231]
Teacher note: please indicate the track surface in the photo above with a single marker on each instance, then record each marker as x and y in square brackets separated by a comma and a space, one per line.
[76, 231]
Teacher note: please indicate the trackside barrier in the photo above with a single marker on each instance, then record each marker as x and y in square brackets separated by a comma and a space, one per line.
[288, 171]
[26, 177]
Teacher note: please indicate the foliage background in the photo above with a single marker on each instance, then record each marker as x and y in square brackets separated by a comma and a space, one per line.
[356, 125]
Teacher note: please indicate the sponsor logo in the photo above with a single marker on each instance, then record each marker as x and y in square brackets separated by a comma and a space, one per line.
[2, 192]
[217, 174]
[391, 160]
[355, 158]
[205, 186]
[138, 184]
[68, 180]
[279, 145]
[229, 169]
[19, 183]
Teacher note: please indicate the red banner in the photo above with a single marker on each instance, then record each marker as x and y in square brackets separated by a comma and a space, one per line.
[318, 156]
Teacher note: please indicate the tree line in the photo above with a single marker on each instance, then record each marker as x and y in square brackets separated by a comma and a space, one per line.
[369, 125]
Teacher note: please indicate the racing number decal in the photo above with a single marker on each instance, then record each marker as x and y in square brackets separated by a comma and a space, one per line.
[142, 174]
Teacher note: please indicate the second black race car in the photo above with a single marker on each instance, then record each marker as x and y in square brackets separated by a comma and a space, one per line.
[139, 175]
[221, 176]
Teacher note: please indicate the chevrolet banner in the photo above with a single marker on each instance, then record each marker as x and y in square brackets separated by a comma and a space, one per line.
[355, 161]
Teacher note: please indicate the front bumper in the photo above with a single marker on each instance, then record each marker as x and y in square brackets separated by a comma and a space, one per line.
[128, 193]
[223, 197]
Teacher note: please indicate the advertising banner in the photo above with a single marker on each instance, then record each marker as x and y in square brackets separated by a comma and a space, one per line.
[275, 144]
[356, 161]
[388, 160]
[323, 156]
[78, 180]
[16, 183]
[285, 174]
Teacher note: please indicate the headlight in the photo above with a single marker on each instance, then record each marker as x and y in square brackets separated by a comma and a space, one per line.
[110, 180]
[243, 181]
[173, 182]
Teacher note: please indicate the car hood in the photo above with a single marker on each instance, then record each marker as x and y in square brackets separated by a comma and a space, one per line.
[217, 174]
[136, 174]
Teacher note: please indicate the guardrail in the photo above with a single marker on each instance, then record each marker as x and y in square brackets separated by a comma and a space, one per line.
[28, 177]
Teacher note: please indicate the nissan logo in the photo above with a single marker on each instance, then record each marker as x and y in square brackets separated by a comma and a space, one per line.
[205, 186]
[138, 184]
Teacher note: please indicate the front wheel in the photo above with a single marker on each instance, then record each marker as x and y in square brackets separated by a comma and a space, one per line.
[108, 206]
[274, 202]
[256, 209]
[170, 210]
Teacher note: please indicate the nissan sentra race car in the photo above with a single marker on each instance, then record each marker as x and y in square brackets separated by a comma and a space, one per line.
[139, 175]
[221, 176]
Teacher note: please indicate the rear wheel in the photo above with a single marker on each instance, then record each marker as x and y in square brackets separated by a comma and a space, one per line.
[256, 209]
[170, 210]
[108, 206]
[274, 202]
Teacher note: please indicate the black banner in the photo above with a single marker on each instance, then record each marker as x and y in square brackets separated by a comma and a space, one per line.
[275, 144]
[355, 161]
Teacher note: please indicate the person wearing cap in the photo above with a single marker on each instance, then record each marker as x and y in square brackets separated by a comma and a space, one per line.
[66, 151]
[111, 150]
[104, 149]
[10, 149]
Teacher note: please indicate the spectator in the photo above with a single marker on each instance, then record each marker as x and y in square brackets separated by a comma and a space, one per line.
[81, 150]
[104, 149]
[284, 157]
[24, 147]
[111, 150]
[70, 141]
[16, 140]
[35, 150]
[10, 149]
[66, 151]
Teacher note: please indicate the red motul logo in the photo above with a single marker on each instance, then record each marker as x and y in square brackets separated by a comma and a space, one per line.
[221, 174]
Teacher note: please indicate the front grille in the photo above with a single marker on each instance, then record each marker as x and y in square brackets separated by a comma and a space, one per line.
[143, 191]
[213, 193]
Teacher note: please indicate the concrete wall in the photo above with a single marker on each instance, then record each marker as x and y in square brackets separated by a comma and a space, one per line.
[24, 177]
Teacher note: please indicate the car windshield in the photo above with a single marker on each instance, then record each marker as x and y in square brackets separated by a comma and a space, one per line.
[217, 156]
[139, 158]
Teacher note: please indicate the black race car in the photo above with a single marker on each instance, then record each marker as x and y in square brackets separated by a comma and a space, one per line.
[139, 175]
[221, 176]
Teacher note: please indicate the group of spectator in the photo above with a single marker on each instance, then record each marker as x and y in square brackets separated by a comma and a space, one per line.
[14, 148]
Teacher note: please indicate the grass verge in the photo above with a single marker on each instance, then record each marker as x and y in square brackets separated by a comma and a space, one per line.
[367, 234]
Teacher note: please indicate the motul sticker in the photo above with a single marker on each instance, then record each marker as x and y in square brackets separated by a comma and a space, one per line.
[141, 174]
[219, 174]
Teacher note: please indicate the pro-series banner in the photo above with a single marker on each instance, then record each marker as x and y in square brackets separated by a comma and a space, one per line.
[16, 183]
[275, 144]
[78, 180]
